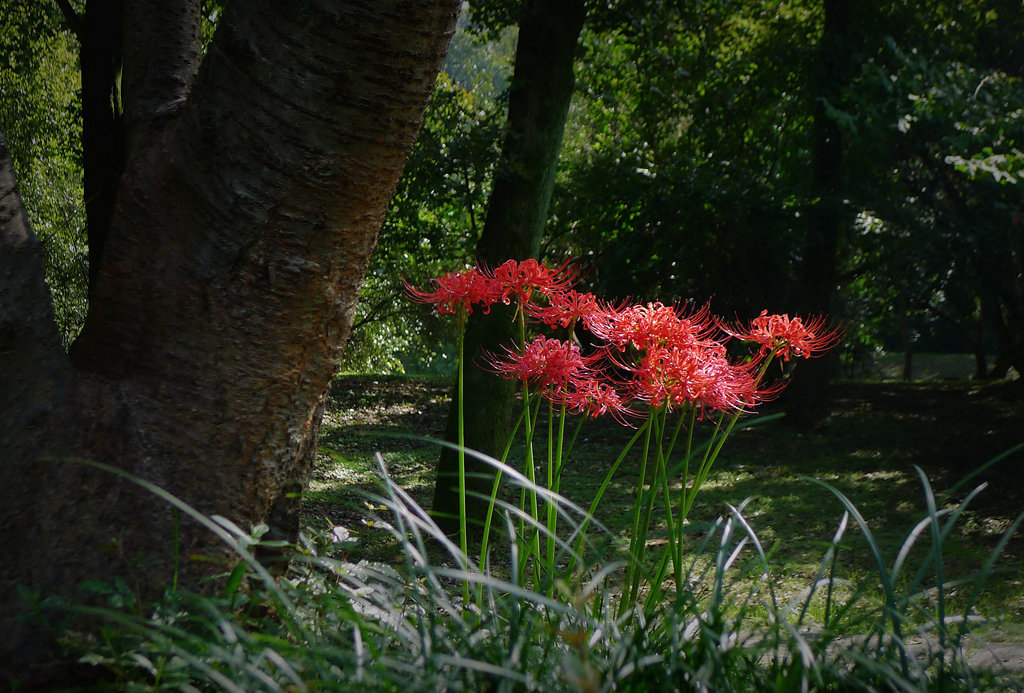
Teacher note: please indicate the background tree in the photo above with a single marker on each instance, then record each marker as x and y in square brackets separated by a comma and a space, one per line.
[432, 225]
[517, 210]
[934, 150]
[252, 192]
[829, 216]
[41, 113]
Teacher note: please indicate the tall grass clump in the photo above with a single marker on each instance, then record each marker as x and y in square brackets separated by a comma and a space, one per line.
[333, 624]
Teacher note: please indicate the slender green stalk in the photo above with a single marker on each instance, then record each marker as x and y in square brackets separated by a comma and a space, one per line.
[674, 538]
[463, 529]
[686, 472]
[531, 543]
[554, 477]
[632, 563]
[581, 539]
[658, 482]
[494, 493]
[710, 453]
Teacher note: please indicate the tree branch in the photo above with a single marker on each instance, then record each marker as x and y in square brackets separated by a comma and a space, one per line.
[377, 311]
[71, 17]
[162, 52]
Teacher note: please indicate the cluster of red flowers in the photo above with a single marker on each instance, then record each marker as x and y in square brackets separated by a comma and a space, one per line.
[669, 357]
[785, 336]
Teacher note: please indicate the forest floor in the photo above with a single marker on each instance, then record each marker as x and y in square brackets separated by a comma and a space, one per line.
[874, 435]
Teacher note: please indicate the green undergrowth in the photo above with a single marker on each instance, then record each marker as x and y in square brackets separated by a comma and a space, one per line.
[851, 558]
[866, 449]
[337, 623]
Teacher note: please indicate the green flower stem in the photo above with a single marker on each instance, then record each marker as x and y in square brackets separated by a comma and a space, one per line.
[686, 472]
[635, 540]
[710, 452]
[675, 537]
[533, 544]
[554, 483]
[494, 493]
[658, 482]
[463, 530]
[581, 539]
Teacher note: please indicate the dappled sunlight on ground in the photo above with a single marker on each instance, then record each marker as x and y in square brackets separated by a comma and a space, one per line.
[866, 449]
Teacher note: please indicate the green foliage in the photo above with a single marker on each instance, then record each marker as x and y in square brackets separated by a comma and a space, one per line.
[334, 624]
[686, 163]
[685, 169]
[41, 120]
[934, 130]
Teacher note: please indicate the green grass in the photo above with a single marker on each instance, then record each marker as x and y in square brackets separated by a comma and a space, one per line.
[340, 625]
[783, 590]
[866, 449]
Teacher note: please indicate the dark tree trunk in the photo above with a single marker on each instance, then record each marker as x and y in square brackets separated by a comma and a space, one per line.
[977, 340]
[905, 339]
[541, 89]
[230, 270]
[101, 60]
[808, 393]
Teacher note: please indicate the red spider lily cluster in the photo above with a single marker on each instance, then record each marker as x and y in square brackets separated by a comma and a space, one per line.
[669, 357]
[785, 336]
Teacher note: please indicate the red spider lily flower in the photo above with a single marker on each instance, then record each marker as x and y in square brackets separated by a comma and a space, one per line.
[458, 290]
[547, 363]
[520, 279]
[565, 308]
[786, 337]
[654, 324]
[699, 376]
[593, 397]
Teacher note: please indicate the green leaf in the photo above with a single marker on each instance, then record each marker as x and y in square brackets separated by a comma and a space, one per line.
[234, 580]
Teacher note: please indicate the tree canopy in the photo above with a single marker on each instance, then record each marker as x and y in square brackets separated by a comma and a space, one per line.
[685, 174]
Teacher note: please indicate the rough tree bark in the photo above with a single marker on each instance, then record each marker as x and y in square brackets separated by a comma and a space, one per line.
[252, 194]
[541, 89]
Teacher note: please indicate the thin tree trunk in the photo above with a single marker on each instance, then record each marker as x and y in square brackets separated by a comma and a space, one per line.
[808, 392]
[906, 342]
[541, 89]
[226, 291]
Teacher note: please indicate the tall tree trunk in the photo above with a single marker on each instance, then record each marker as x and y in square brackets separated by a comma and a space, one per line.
[101, 61]
[238, 240]
[978, 343]
[905, 338]
[542, 86]
[808, 393]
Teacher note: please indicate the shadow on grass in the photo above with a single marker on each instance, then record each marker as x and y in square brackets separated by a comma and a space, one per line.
[875, 434]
